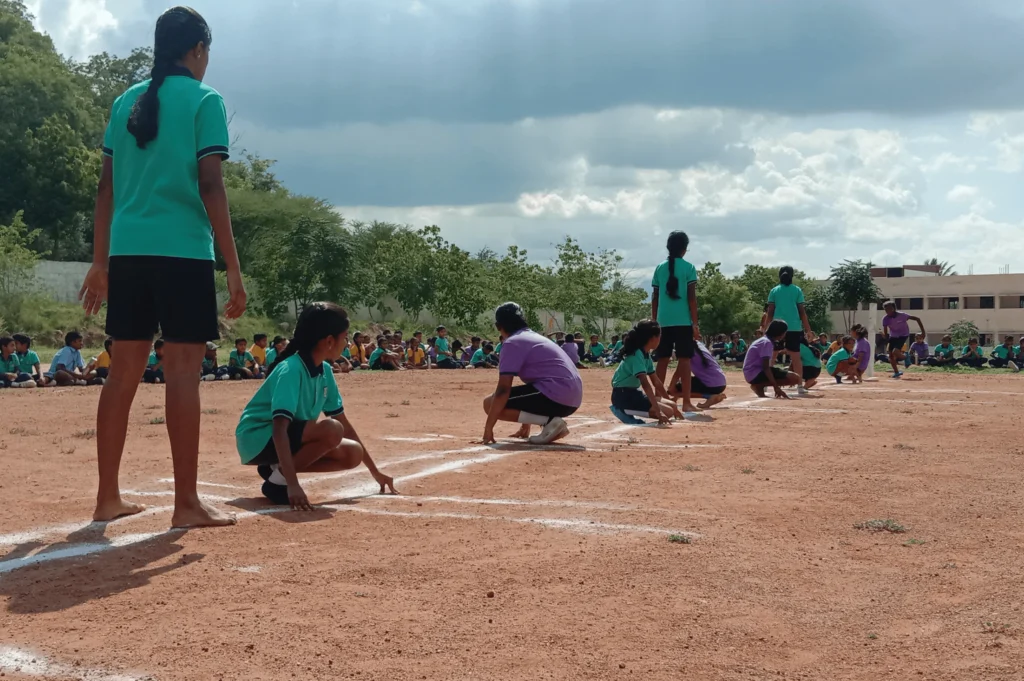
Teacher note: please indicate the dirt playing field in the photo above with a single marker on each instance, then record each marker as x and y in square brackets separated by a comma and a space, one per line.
[708, 550]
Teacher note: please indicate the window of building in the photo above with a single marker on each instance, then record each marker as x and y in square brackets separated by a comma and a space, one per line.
[988, 302]
[893, 272]
[1022, 301]
[952, 303]
[916, 304]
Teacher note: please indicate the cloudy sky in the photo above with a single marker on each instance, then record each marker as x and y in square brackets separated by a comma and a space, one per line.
[790, 131]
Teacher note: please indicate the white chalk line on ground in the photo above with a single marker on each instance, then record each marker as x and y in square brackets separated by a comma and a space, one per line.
[203, 483]
[79, 550]
[27, 663]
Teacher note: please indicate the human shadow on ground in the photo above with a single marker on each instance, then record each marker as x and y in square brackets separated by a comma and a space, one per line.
[85, 566]
[284, 514]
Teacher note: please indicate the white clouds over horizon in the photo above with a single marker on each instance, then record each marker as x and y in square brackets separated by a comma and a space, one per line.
[806, 132]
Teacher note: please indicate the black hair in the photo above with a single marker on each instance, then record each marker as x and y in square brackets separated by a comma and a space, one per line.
[1008, 338]
[848, 339]
[677, 244]
[399, 333]
[386, 332]
[5, 341]
[241, 340]
[456, 345]
[258, 337]
[474, 339]
[417, 333]
[786, 275]
[71, 337]
[357, 336]
[639, 336]
[776, 329]
[317, 322]
[888, 303]
[509, 318]
[440, 329]
[379, 339]
[278, 339]
[178, 30]
[23, 339]
[107, 343]
[972, 340]
[158, 343]
[488, 347]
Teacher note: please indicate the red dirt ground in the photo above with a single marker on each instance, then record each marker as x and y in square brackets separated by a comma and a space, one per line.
[568, 574]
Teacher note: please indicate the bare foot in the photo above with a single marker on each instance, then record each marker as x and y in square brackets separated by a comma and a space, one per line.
[523, 433]
[712, 401]
[688, 408]
[113, 510]
[202, 516]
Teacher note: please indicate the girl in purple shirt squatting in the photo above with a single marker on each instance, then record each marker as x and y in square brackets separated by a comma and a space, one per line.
[896, 327]
[862, 351]
[759, 368]
[551, 388]
[708, 378]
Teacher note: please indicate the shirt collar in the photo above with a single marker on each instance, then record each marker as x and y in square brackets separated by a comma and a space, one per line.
[312, 367]
[178, 70]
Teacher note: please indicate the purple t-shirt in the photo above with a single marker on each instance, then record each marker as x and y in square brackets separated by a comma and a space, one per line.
[706, 368]
[760, 350]
[572, 351]
[897, 324]
[863, 352]
[920, 349]
[540, 362]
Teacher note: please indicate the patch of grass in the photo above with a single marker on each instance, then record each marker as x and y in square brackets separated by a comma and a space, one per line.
[360, 594]
[405, 403]
[950, 566]
[679, 539]
[690, 468]
[632, 440]
[900, 445]
[886, 525]
[22, 431]
[85, 434]
[211, 412]
[747, 471]
[158, 421]
[391, 416]
[873, 636]
[913, 542]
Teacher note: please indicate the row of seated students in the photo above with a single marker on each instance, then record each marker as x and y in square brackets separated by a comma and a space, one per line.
[1009, 355]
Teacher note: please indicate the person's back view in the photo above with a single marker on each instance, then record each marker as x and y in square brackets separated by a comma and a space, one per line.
[161, 202]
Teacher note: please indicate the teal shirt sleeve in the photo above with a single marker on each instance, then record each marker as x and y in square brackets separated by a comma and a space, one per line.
[212, 127]
[691, 274]
[285, 398]
[108, 135]
[478, 357]
[333, 405]
[648, 365]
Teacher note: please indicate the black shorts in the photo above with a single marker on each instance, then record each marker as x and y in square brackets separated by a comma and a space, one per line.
[794, 339]
[678, 339]
[527, 398]
[175, 297]
[697, 387]
[269, 454]
[811, 372]
[896, 343]
[630, 399]
[778, 373]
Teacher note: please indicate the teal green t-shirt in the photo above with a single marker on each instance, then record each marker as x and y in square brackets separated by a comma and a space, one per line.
[674, 312]
[442, 347]
[497, 349]
[272, 355]
[808, 357]
[1002, 352]
[157, 206]
[478, 357]
[739, 346]
[153, 360]
[786, 299]
[293, 390]
[838, 356]
[944, 351]
[11, 365]
[967, 350]
[28, 361]
[375, 355]
[627, 374]
[597, 349]
[344, 353]
[242, 361]
[618, 347]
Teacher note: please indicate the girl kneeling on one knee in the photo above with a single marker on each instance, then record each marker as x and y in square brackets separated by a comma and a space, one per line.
[279, 431]
[635, 383]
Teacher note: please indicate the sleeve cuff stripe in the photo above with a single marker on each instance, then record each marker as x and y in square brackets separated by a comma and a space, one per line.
[335, 412]
[285, 413]
[208, 151]
[107, 151]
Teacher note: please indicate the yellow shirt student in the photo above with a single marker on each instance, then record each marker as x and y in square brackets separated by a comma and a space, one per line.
[415, 354]
[103, 361]
[259, 354]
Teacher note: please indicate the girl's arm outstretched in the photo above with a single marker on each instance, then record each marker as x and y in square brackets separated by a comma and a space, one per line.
[386, 482]
[652, 395]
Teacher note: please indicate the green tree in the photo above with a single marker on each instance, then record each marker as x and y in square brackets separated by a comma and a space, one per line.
[945, 269]
[17, 259]
[724, 305]
[963, 331]
[580, 281]
[850, 286]
[818, 305]
[254, 174]
[514, 278]
[459, 288]
[108, 76]
[759, 281]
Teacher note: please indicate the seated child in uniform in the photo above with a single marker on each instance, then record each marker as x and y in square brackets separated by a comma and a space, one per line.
[944, 353]
[863, 350]
[259, 349]
[1003, 356]
[918, 354]
[736, 348]
[759, 368]
[155, 367]
[972, 355]
[28, 359]
[67, 367]
[383, 359]
[99, 368]
[468, 353]
[212, 370]
[277, 346]
[635, 384]
[718, 346]
[241, 363]
[596, 351]
[11, 375]
[842, 362]
[357, 348]
[416, 356]
[280, 432]
[482, 357]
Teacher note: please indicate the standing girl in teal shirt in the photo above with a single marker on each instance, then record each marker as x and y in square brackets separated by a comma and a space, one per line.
[674, 307]
[160, 206]
[786, 303]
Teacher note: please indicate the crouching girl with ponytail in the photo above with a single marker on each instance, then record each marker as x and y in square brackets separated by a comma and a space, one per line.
[279, 431]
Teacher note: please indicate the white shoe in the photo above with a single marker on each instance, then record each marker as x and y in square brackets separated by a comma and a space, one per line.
[553, 431]
[24, 384]
[208, 378]
[81, 383]
[1014, 367]
[800, 390]
[223, 377]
